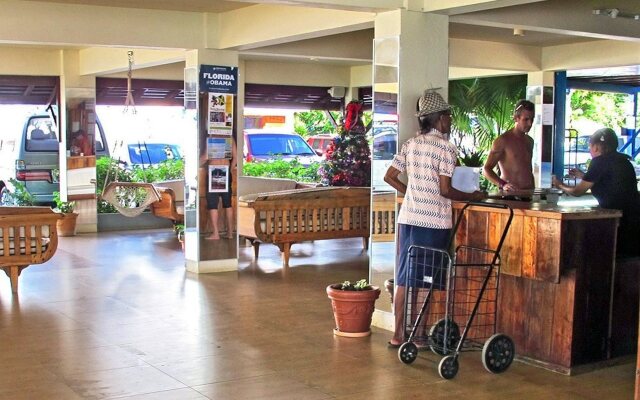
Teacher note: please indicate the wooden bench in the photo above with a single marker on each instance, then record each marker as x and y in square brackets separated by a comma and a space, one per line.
[287, 217]
[171, 204]
[383, 217]
[27, 236]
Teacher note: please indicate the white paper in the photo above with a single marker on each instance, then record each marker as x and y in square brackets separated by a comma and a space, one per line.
[466, 179]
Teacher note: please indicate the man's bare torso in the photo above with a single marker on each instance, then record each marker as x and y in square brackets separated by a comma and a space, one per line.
[516, 151]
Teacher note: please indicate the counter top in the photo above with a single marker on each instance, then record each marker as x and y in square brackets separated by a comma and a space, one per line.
[563, 210]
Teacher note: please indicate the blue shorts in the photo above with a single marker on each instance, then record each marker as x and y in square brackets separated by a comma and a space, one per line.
[415, 235]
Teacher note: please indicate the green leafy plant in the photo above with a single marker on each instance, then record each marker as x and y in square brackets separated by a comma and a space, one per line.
[166, 170]
[20, 195]
[280, 168]
[359, 285]
[482, 109]
[65, 207]
[179, 231]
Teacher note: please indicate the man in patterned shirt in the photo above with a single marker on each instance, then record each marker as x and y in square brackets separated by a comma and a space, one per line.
[425, 217]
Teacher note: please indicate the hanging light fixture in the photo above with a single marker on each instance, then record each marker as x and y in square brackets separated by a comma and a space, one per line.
[128, 102]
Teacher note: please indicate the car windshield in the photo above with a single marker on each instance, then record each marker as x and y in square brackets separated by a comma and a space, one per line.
[153, 153]
[272, 143]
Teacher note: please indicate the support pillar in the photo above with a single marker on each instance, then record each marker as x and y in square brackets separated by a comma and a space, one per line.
[78, 112]
[540, 91]
[411, 52]
[202, 255]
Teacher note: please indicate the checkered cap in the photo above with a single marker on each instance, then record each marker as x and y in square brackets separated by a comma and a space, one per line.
[431, 102]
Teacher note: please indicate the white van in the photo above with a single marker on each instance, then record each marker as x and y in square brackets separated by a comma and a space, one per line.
[31, 157]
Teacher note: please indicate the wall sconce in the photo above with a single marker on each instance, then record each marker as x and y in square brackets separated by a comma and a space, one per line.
[518, 32]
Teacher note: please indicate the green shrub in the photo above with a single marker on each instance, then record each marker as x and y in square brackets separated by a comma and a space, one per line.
[280, 168]
[20, 196]
[166, 170]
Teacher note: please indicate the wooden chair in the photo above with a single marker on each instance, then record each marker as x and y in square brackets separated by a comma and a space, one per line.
[27, 236]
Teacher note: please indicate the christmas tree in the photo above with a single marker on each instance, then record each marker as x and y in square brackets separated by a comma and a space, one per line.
[348, 159]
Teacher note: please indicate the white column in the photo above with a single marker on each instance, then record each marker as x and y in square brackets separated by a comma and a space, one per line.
[77, 91]
[424, 59]
[197, 260]
[540, 87]
[423, 63]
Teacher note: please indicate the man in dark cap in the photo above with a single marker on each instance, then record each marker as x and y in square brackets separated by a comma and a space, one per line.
[425, 216]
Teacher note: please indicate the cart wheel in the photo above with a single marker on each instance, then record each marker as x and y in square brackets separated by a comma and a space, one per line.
[408, 352]
[497, 353]
[448, 367]
[436, 333]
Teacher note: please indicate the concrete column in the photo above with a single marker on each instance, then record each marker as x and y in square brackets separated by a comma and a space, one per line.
[77, 92]
[540, 88]
[422, 63]
[203, 256]
[424, 59]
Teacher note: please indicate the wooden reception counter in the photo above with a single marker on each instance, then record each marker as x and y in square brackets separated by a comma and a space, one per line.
[556, 284]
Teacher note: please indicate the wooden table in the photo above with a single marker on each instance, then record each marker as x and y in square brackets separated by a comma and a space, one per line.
[557, 280]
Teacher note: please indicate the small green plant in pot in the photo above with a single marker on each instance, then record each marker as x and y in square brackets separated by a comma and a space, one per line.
[353, 305]
[67, 224]
[64, 207]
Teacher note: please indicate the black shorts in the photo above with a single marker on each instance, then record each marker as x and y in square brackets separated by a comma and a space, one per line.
[214, 198]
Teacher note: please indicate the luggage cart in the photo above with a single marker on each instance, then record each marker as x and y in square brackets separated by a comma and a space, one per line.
[444, 291]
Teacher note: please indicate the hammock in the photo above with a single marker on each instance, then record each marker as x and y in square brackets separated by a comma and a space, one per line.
[130, 198]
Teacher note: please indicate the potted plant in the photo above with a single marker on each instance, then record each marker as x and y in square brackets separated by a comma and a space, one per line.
[66, 225]
[353, 305]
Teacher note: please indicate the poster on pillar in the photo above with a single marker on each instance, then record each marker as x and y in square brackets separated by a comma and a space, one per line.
[218, 79]
[220, 114]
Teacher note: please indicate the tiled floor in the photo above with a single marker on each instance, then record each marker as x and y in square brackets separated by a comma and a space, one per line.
[117, 316]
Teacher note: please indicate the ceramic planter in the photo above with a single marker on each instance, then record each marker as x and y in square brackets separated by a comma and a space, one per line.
[66, 225]
[352, 310]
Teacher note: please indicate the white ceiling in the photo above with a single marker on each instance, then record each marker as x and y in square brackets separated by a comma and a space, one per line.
[213, 6]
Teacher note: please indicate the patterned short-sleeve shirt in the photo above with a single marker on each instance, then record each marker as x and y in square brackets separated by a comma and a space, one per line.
[425, 158]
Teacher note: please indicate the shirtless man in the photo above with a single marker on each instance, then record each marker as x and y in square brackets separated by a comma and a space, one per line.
[512, 152]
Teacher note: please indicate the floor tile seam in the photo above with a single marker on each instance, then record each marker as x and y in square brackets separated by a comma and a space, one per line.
[67, 382]
[257, 375]
[278, 373]
[143, 394]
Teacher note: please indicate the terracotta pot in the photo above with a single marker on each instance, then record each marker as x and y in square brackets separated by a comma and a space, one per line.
[66, 225]
[352, 310]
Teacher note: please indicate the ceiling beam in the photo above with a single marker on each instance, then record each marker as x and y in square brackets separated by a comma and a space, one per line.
[107, 60]
[567, 17]
[265, 25]
[453, 7]
[345, 5]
